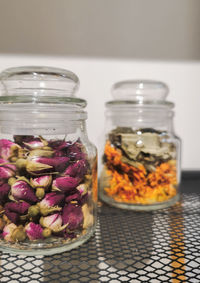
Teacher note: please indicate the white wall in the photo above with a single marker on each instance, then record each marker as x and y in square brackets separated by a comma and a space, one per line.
[97, 76]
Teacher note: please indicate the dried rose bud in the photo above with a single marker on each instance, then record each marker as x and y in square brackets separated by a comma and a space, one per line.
[5, 173]
[51, 203]
[53, 222]
[65, 184]
[41, 153]
[73, 197]
[20, 207]
[12, 216]
[78, 169]
[58, 163]
[40, 193]
[34, 231]
[34, 167]
[33, 210]
[42, 181]
[7, 232]
[4, 190]
[88, 217]
[59, 145]
[21, 163]
[75, 152]
[73, 216]
[35, 143]
[8, 149]
[22, 191]
[83, 189]
[46, 232]
[11, 181]
[18, 234]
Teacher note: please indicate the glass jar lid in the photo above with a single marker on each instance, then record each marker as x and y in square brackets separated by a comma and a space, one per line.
[140, 93]
[39, 85]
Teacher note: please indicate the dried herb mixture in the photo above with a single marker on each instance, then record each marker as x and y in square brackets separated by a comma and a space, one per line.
[139, 166]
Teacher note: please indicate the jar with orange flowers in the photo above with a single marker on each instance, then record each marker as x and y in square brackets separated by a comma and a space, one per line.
[141, 159]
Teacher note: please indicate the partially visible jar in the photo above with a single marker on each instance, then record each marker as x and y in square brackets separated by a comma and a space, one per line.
[48, 172]
[141, 159]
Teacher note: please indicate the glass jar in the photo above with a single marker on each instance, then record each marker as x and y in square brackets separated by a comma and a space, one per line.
[141, 159]
[48, 170]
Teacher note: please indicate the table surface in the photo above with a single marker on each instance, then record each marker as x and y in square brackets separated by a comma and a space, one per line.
[159, 246]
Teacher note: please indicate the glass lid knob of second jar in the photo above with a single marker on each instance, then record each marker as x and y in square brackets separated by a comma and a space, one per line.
[140, 91]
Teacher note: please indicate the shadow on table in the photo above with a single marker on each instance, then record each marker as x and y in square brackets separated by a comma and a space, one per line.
[124, 239]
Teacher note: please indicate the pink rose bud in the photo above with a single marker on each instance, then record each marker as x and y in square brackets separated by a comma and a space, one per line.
[75, 152]
[42, 181]
[4, 190]
[36, 168]
[72, 216]
[13, 210]
[6, 172]
[65, 184]
[20, 207]
[73, 197]
[53, 222]
[51, 203]
[58, 163]
[35, 143]
[8, 149]
[7, 232]
[78, 169]
[5, 163]
[12, 216]
[22, 191]
[59, 144]
[34, 231]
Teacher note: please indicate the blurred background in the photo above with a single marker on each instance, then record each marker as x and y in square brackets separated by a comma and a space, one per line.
[106, 41]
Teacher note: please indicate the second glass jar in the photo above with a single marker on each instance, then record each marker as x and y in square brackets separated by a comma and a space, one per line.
[141, 158]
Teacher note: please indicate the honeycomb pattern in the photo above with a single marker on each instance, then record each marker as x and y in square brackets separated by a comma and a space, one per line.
[160, 246]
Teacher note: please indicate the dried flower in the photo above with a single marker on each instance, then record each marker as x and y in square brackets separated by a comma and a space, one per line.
[35, 143]
[36, 168]
[53, 222]
[7, 232]
[72, 216]
[4, 190]
[8, 149]
[87, 216]
[18, 234]
[33, 210]
[73, 197]
[51, 203]
[20, 207]
[75, 152]
[5, 173]
[12, 216]
[46, 233]
[42, 181]
[41, 153]
[40, 193]
[22, 191]
[65, 184]
[59, 145]
[34, 231]
[43, 164]
[78, 169]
